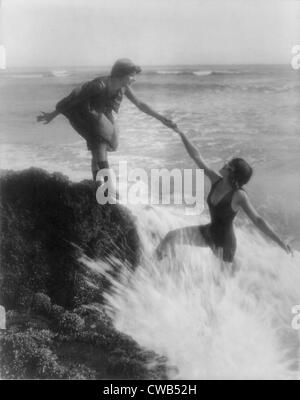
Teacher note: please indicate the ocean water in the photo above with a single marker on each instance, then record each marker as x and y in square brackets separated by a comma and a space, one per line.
[207, 324]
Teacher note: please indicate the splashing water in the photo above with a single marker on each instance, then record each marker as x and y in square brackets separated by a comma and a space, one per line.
[208, 324]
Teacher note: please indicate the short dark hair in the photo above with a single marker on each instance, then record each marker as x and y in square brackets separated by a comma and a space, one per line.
[123, 67]
[241, 172]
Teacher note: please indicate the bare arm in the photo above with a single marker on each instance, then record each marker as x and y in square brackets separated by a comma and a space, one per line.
[196, 156]
[47, 117]
[147, 109]
[259, 222]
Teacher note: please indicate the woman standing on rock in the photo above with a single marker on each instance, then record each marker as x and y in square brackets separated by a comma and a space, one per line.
[90, 107]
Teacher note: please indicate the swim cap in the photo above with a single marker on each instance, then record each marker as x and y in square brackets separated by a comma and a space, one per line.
[123, 67]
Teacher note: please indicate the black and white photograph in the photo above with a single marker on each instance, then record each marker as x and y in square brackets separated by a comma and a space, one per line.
[149, 192]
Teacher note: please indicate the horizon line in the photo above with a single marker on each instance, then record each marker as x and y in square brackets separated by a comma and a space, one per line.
[152, 65]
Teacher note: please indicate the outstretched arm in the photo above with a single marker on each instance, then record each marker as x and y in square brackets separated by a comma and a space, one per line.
[147, 109]
[81, 94]
[259, 222]
[47, 117]
[196, 156]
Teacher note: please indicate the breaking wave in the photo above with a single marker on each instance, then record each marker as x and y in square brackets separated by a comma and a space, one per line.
[206, 322]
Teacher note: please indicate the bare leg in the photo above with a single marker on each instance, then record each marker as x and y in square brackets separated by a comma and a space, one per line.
[99, 158]
[94, 167]
[189, 235]
[89, 126]
[107, 178]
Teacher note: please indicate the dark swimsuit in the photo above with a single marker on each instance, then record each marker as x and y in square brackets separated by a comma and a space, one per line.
[219, 234]
[91, 96]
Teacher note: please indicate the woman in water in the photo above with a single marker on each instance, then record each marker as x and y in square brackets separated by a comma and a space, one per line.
[90, 109]
[225, 199]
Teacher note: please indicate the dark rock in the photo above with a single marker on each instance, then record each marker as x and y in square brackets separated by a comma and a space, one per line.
[95, 317]
[41, 304]
[47, 223]
[70, 323]
[57, 312]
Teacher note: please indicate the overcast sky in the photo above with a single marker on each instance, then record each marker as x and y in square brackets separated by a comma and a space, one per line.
[151, 32]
